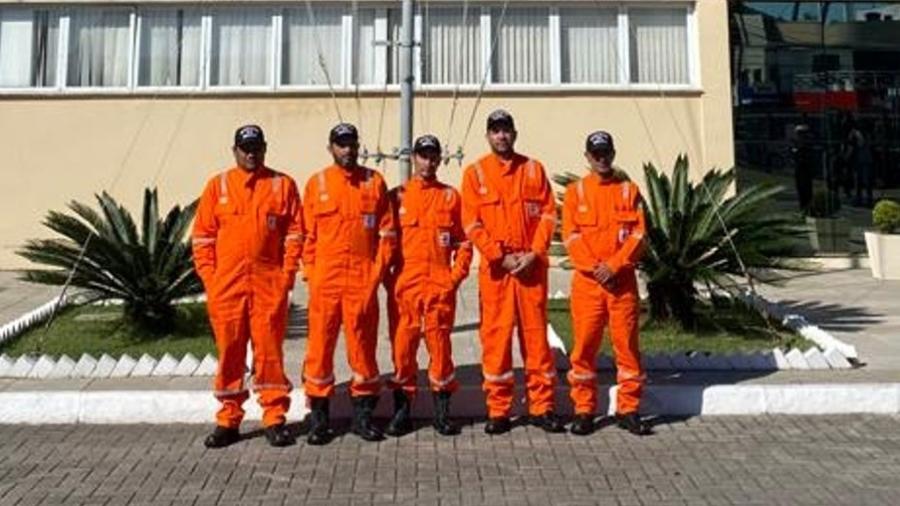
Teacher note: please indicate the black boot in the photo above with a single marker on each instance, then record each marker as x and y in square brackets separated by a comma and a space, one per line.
[222, 437]
[582, 425]
[633, 423]
[362, 426]
[401, 423]
[279, 435]
[499, 425]
[319, 431]
[549, 422]
[442, 423]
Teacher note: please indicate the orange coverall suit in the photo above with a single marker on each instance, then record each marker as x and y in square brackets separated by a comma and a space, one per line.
[508, 208]
[349, 242]
[603, 221]
[432, 260]
[247, 241]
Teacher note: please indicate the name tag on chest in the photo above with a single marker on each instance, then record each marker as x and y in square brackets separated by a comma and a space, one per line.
[532, 209]
[368, 220]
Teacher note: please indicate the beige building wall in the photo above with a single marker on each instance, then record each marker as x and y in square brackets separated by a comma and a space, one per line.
[63, 148]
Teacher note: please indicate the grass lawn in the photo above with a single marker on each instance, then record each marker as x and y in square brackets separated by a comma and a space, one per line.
[101, 329]
[735, 328]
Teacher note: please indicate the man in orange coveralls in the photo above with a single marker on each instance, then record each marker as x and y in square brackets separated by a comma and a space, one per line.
[247, 240]
[431, 261]
[603, 228]
[509, 214]
[349, 243]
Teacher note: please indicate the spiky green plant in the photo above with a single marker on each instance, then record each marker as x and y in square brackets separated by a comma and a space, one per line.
[146, 270]
[690, 243]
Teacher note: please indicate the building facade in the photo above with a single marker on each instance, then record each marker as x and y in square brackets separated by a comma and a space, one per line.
[123, 95]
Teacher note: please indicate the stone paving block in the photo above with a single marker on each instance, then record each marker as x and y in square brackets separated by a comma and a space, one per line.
[187, 365]
[796, 359]
[764, 361]
[699, 361]
[207, 367]
[123, 367]
[105, 367]
[165, 367]
[680, 361]
[144, 366]
[63, 369]
[42, 367]
[604, 362]
[719, 363]
[781, 361]
[84, 367]
[836, 359]
[6, 365]
[815, 359]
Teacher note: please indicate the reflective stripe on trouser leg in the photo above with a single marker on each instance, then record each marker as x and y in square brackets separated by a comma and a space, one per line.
[324, 325]
[589, 316]
[267, 329]
[360, 319]
[540, 368]
[623, 329]
[231, 335]
[498, 312]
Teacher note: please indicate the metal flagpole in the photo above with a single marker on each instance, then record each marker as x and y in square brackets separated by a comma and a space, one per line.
[406, 89]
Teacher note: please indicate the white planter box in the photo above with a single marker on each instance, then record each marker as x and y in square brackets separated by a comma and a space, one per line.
[884, 255]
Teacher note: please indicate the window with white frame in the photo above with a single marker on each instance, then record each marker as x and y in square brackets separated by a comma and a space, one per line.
[29, 40]
[309, 33]
[170, 51]
[99, 47]
[241, 52]
[451, 46]
[589, 45]
[521, 53]
[659, 46]
[293, 47]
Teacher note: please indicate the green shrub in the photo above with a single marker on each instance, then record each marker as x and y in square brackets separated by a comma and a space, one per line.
[147, 269]
[886, 216]
[698, 234]
[824, 204]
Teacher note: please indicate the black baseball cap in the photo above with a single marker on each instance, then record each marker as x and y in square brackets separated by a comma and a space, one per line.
[249, 135]
[343, 131]
[599, 141]
[500, 117]
[426, 142]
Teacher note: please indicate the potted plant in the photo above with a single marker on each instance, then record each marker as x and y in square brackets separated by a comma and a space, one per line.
[883, 243]
[827, 232]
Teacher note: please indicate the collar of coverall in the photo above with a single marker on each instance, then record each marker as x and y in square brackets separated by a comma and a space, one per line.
[507, 166]
[424, 183]
[610, 178]
[251, 176]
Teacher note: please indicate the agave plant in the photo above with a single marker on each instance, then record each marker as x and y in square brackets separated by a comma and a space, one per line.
[110, 259]
[702, 234]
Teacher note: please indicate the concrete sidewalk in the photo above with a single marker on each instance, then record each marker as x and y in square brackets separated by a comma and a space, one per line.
[18, 297]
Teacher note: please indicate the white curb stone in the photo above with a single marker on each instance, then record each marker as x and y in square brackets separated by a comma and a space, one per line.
[41, 368]
[558, 295]
[123, 367]
[763, 361]
[796, 359]
[144, 366]
[836, 359]
[165, 367]
[105, 367]
[815, 359]
[208, 366]
[84, 367]
[64, 368]
[781, 361]
[187, 366]
[6, 365]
